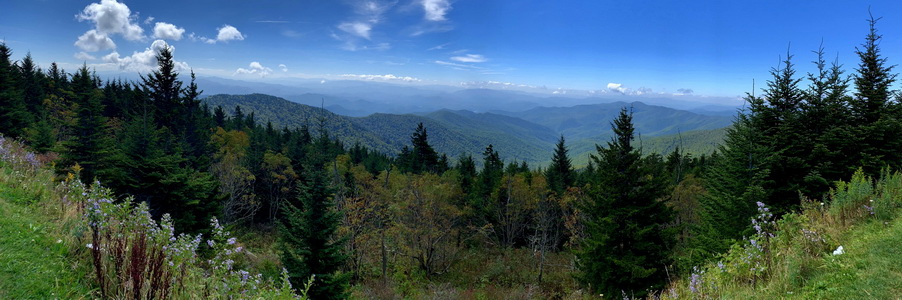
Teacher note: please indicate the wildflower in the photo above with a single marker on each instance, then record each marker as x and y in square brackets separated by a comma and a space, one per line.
[231, 241]
[839, 251]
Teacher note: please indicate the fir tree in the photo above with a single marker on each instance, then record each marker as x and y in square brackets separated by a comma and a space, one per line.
[92, 146]
[310, 245]
[559, 174]
[873, 78]
[627, 245]
[14, 115]
[734, 183]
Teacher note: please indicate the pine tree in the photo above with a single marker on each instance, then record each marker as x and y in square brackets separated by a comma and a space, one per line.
[421, 157]
[734, 183]
[92, 146]
[310, 244]
[873, 78]
[164, 90]
[878, 125]
[559, 174]
[14, 115]
[627, 245]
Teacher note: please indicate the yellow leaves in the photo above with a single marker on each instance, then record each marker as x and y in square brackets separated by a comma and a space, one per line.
[232, 144]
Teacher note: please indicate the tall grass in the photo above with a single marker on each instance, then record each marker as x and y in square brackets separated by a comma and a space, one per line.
[113, 245]
[798, 256]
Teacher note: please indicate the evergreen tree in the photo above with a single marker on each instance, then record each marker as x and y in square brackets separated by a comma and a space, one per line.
[310, 244]
[421, 157]
[92, 146]
[872, 80]
[734, 183]
[878, 126]
[626, 247]
[164, 90]
[14, 115]
[559, 174]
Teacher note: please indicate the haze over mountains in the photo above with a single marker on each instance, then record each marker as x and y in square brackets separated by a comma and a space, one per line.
[525, 135]
[360, 98]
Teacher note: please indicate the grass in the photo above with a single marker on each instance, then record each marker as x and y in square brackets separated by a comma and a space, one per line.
[34, 261]
[799, 261]
[871, 268]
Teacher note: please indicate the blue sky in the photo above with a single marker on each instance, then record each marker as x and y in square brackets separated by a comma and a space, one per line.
[708, 48]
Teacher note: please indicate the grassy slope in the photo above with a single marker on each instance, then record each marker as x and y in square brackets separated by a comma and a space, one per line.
[800, 263]
[33, 264]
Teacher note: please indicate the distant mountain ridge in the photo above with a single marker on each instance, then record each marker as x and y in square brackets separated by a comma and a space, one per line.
[524, 136]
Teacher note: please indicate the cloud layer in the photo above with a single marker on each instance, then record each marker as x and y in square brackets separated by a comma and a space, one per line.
[254, 68]
[386, 77]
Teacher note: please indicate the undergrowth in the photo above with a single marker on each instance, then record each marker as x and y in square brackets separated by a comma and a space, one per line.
[845, 247]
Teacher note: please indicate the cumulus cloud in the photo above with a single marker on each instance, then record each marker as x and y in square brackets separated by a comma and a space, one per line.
[616, 87]
[470, 58]
[149, 20]
[283, 67]
[111, 17]
[436, 9]
[229, 33]
[254, 68]
[359, 29]
[93, 41]
[167, 31]
[225, 33]
[84, 56]
[386, 77]
[144, 61]
[685, 91]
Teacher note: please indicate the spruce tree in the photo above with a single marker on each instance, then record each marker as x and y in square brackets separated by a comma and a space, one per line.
[14, 115]
[627, 244]
[878, 125]
[734, 183]
[310, 245]
[92, 146]
[559, 174]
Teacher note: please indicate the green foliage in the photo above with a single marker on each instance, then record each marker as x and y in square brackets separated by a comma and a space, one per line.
[626, 247]
[560, 174]
[734, 183]
[309, 242]
[798, 256]
[421, 157]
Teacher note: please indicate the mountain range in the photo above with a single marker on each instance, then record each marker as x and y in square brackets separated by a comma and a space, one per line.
[527, 135]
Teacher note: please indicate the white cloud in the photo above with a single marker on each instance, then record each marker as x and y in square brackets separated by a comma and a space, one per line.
[470, 58]
[168, 31]
[685, 91]
[149, 20]
[84, 56]
[229, 33]
[367, 14]
[617, 87]
[439, 47]
[386, 77]
[436, 9]
[111, 17]
[145, 61]
[283, 67]
[93, 41]
[360, 29]
[254, 68]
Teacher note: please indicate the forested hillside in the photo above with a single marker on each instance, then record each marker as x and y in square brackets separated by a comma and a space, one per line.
[456, 132]
[161, 195]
